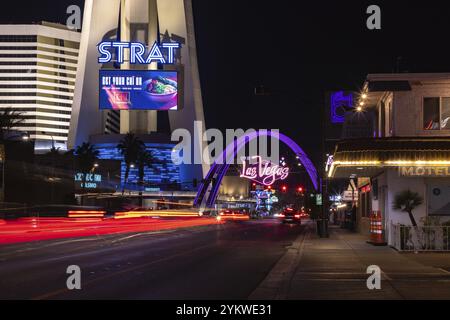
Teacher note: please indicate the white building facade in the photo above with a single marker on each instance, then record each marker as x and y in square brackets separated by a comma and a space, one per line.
[38, 66]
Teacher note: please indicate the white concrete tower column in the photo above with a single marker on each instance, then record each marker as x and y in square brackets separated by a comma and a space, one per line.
[125, 115]
[139, 121]
[152, 124]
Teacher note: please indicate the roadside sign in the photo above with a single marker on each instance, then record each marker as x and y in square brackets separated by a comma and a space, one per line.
[319, 201]
[347, 195]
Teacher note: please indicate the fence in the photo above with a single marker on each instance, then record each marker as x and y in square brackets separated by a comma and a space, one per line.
[427, 238]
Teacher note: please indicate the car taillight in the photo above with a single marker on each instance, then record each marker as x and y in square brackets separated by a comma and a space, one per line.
[297, 216]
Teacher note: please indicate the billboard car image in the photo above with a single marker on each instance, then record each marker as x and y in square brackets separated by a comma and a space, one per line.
[138, 90]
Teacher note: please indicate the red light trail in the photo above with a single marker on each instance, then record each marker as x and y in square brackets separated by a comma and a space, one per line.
[35, 229]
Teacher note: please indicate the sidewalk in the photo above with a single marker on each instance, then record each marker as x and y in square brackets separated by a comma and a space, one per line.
[335, 268]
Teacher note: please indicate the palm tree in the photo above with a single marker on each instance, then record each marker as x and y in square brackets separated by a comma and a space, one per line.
[9, 119]
[144, 159]
[130, 147]
[407, 201]
[86, 156]
[54, 153]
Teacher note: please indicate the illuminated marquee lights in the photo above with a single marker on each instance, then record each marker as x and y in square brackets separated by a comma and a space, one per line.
[263, 171]
[137, 52]
[390, 163]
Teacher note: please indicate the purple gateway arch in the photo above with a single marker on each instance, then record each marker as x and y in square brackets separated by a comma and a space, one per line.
[220, 166]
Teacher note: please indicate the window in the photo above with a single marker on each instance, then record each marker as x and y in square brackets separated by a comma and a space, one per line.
[436, 113]
[445, 113]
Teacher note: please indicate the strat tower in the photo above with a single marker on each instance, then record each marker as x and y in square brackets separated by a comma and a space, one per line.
[147, 22]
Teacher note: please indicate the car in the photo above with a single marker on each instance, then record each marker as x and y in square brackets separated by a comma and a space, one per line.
[290, 215]
[232, 215]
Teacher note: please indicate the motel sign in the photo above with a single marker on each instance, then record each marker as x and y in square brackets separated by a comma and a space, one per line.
[426, 171]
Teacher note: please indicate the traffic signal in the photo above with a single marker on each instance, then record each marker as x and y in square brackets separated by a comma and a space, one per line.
[284, 188]
[300, 189]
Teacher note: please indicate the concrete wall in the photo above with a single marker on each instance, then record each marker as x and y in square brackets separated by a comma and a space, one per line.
[396, 184]
[408, 111]
[387, 100]
[363, 225]
[389, 183]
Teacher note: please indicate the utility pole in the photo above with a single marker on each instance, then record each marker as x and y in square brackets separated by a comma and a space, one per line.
[322, 223]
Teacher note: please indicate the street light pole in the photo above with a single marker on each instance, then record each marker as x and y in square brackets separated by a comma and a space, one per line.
[323, 228]
[53, 140]
[53, 166]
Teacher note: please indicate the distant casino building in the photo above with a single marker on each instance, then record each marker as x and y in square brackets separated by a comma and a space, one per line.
[38, 66]
[50, 74]
[163, 174]
[144, 22]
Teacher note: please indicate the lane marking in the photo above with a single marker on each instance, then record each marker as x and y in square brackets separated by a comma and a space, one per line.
[134, 268]
[142, 234]
[107, 276]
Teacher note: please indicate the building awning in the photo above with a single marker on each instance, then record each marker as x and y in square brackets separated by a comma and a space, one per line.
[369, 156]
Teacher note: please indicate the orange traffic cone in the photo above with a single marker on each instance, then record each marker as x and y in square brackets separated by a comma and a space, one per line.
[376, 229]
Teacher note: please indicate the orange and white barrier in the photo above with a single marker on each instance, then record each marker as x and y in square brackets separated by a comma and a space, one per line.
[376, 229]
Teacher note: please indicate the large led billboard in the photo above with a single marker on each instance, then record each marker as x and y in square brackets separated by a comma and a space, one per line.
[138, 90]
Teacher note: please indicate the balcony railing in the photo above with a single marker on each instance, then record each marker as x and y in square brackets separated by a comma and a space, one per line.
[422, 238]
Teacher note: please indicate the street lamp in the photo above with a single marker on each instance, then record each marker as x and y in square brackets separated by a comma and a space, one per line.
[94, 166]
[53, 165]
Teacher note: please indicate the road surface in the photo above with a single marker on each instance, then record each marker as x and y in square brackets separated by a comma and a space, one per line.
[225, 261]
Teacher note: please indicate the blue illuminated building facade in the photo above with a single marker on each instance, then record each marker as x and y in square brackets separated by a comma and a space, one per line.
[162, 175]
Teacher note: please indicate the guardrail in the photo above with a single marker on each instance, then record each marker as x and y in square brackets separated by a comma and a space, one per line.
[422, 238]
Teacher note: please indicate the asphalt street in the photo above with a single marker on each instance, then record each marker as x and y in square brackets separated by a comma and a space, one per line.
[226, 261]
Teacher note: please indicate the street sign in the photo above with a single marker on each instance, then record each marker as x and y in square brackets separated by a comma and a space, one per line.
[319, 201]
[347, 195]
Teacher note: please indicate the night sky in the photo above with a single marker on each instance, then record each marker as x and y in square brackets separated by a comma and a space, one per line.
[297, 52]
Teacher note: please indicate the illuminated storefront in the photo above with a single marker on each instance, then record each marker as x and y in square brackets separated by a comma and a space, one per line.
[405, 152]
